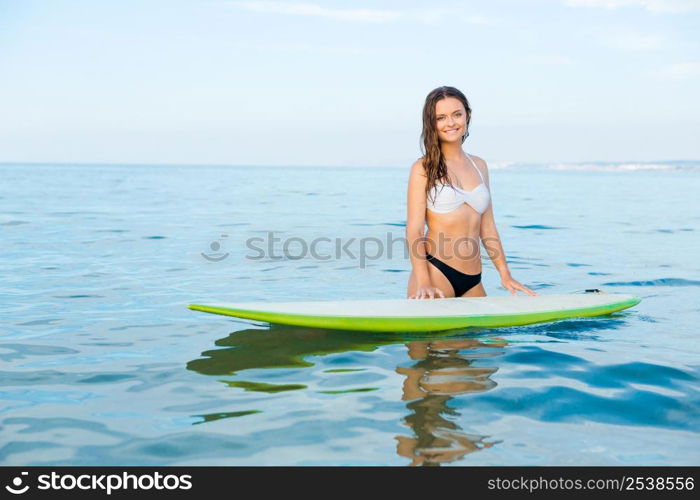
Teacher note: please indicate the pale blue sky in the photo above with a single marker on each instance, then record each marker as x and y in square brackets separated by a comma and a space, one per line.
[343, 82]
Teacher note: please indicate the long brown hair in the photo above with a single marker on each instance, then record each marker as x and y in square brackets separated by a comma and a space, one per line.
[433, 160]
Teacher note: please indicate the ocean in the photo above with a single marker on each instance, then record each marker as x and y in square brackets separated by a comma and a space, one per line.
[101, 362]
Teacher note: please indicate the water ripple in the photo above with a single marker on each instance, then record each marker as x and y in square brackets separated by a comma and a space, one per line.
[656, 282]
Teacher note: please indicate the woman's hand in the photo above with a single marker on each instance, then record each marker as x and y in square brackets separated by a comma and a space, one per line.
[426, 291]
[513, 286]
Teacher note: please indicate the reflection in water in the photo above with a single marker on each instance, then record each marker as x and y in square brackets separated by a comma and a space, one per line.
[442, 370]
[283, 347]
[210, 417]
[280, 347]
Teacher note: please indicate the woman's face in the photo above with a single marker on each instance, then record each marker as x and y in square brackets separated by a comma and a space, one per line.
[451, 119]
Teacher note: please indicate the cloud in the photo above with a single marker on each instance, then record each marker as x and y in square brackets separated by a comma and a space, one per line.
[361, 15]
[328, 49]
[476, 19]
[669, 6]
[679, 71]
[549, 59]
[634, 42]
[306, 9]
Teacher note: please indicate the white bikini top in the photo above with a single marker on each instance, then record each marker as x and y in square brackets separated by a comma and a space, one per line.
[448, 200]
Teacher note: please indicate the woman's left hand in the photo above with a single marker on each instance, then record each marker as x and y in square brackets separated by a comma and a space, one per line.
[513, 286]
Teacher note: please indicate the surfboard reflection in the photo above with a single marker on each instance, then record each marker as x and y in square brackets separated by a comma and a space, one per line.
[282, 347]
[437, 370]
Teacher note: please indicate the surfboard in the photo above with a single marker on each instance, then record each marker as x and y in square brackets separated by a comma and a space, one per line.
[420, 315]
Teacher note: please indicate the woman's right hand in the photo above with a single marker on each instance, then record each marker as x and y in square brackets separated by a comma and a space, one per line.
[427, 291]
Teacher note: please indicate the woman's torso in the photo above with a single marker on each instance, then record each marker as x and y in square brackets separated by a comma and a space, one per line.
[454, 217]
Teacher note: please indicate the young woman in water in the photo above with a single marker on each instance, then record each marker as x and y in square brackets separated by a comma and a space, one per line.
[450, 191]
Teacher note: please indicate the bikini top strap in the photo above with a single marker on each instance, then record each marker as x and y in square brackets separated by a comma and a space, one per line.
[477, 168]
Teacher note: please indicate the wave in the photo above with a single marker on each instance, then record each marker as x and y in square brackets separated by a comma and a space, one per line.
[685, 166]
[625, 166]
[657, 282]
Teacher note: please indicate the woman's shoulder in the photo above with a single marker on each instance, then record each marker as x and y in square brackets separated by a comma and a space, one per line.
[479, 161]
[418, 168]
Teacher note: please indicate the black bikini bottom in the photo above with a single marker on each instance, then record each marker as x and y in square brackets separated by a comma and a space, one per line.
[460, 281]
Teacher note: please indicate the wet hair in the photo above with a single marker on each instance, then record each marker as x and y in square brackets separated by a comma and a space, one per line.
[433, 160]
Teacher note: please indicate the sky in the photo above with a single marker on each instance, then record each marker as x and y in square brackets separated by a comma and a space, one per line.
[343, 82]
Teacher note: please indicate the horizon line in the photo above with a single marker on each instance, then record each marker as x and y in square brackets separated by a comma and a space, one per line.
[238, 165]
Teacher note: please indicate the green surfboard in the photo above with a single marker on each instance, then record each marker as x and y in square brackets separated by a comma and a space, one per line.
[412, 315]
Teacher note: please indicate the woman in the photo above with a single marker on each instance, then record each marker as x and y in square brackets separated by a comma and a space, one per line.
[450, 191]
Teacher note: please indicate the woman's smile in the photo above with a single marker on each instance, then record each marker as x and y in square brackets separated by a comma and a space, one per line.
[452, 132]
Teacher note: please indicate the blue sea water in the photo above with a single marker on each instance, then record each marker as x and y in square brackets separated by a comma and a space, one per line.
[101, 362]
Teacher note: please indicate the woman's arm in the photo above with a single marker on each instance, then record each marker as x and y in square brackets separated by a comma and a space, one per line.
[492, 241]
[415, 223]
